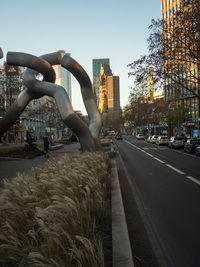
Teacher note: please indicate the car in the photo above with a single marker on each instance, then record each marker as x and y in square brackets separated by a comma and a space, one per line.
[198, 150]
[118, 136]
[191, 145]
[176, 142]
[111, 133]
[153, 139]
[149, 138]
[140, 137]
[162, 140]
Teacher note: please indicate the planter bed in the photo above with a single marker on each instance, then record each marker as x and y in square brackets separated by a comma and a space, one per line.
[58, 214]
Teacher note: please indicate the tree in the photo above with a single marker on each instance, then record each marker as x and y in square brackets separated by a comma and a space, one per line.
[173, 53]
[136, 110]
[10, 86]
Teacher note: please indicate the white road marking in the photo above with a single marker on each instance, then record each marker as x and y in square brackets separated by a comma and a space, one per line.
[175, 169]
[193, 179]
[159, 160]
[149, 155]
[168, 165]
[132, 145]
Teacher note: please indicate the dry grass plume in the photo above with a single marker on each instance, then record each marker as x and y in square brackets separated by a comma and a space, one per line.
[55, 214]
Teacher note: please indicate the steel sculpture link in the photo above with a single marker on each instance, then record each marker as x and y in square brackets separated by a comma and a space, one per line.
[1, 53]
[88, 137]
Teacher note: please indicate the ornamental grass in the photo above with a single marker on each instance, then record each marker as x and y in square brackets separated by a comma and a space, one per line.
[58, 214]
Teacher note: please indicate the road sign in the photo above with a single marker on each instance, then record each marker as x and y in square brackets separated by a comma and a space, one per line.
[21, 129]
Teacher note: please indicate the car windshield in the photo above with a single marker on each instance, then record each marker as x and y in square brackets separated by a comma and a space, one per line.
[178, 138]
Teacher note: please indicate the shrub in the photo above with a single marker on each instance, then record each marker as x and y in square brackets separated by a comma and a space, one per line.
[57, 214]
[7, 150]
[105, 142]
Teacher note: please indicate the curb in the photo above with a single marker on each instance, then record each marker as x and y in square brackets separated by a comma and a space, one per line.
[122, 254]
[55, 147]
[9, 158]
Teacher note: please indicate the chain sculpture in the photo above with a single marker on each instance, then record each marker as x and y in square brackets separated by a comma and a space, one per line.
[88, 136]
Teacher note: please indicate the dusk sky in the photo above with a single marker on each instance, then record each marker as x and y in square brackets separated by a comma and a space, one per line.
[115, 29]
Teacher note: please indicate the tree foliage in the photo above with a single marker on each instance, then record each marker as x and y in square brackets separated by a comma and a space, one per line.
[173, 49]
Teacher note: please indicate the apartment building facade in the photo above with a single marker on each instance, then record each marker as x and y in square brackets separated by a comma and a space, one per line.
[181, 50]
[11, 84]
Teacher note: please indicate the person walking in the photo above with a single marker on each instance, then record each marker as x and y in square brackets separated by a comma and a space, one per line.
[46, 145]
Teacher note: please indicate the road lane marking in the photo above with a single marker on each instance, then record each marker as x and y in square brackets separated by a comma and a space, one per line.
[149, 154]
[159, 160]
[168, 165]
[132, 145]
[193, 179]
[175, 169]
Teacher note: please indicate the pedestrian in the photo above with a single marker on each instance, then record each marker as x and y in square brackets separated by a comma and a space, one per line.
[46, 144]
[51, 139]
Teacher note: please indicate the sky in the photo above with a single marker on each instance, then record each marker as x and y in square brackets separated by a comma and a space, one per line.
[88, 29]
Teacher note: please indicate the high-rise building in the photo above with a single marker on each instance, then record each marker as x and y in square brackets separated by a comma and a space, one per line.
[96, 66]
[63, 77]
[109, 97]
[181, 44]
[11, 84]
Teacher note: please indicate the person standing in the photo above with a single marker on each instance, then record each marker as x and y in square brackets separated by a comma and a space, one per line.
[46, 144]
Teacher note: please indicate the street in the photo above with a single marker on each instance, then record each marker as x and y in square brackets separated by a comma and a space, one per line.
[167, 182]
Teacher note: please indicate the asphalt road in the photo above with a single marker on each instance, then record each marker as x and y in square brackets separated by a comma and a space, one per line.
[168, 186]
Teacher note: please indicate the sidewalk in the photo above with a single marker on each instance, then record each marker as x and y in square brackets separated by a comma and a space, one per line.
[9, 167]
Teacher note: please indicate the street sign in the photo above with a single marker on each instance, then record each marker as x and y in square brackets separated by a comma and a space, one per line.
[21, 129]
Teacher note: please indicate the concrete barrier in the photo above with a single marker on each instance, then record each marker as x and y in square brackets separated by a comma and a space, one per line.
[122, 253]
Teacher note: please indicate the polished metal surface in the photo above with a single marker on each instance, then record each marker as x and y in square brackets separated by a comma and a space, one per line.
[1, 53]
[88, 97]
[88, 137]
[16, 109]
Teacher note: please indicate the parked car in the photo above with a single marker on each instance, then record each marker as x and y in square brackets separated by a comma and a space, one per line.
[191, 145]
[162, 140]
[118, 136]
[198, 151]
[140, 137]
[149, 138]
[153, 139]
[176, 142]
